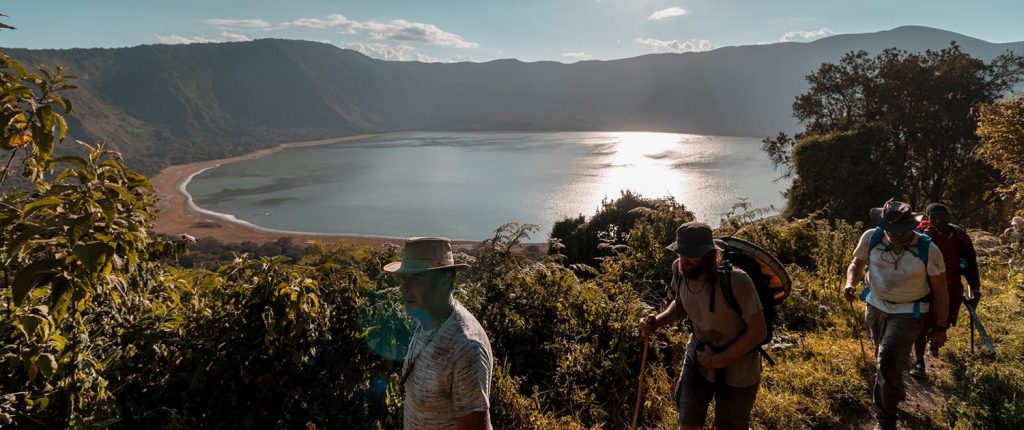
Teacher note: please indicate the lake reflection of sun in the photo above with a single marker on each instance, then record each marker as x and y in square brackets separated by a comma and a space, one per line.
[643, 162]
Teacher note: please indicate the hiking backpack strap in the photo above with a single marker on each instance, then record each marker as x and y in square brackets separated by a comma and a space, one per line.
[725, 282]
[876, 238]
[875, 242]
[923, 243]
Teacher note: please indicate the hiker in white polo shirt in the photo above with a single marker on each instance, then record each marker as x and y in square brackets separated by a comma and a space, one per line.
[447, 370]
[901, 267]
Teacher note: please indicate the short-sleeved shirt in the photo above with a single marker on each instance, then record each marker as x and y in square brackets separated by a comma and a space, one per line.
[451, 377]
[898, 280]
[723, 326]
[1014, 238]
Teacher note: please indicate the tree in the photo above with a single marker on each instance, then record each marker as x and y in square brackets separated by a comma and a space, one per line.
[1001, 130]
[585, 242]
[895, 125]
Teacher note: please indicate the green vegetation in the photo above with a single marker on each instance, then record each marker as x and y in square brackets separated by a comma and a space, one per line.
[1001, 130]
[896, 125]
[101, 326]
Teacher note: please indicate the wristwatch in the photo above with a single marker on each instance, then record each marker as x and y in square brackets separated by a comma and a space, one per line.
[940, 328]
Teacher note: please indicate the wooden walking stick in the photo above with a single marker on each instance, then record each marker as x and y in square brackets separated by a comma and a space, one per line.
[860, 339]
[640, 386]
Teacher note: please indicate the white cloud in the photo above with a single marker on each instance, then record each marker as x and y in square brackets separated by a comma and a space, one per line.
[806, 36]
[234, 37]
[333, 21]
[395, 30]
[401, 29]
[174, 39]
[386, 51]
[576, 56]
[254, 23]
[677, 46]
[671, 12]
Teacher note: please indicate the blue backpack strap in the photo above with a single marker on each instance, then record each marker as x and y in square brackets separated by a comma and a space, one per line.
[923, 242]
[876, 238]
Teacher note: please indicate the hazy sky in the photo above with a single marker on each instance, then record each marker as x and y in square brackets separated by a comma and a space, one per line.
[482, 30]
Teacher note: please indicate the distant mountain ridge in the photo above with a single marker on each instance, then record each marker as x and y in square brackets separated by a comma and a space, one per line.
[167, 104]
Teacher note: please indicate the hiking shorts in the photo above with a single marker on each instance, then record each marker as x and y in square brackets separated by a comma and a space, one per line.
[694, 394]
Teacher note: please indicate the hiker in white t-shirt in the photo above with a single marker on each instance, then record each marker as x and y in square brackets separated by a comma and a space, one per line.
[899, 290]
[721, 361]
[447, 370]
[1012, 237]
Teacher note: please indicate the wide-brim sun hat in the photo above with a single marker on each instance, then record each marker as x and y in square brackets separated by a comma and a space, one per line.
[693, 240]
[894, 217]
[422, 254]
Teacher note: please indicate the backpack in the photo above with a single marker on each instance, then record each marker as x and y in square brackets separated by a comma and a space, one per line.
[770, 279]
[771, 282]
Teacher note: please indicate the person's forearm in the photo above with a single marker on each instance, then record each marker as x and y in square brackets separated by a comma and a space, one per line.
[473, 421]
[747, 341]
[854, 274]
[671, 314]
[940, 299]
[971, 272]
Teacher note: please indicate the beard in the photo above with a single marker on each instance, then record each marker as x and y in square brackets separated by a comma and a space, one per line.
[694, 272]
[706, 268]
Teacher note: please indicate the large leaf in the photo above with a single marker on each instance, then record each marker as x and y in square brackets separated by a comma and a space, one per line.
[94, 255]
[16, 245]
[47, 365]
[40, 204]
[60, 298]
[33, 275]
[44, 144]
[78, 161]
[125, 194]
[29, 323]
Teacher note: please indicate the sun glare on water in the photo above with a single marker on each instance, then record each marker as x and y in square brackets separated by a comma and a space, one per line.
[653, 165]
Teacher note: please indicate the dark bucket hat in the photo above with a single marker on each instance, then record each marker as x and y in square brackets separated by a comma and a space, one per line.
[894, 217]
[693, 239]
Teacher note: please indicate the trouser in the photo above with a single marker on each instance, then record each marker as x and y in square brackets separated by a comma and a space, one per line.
[894, 336]
[694, 394]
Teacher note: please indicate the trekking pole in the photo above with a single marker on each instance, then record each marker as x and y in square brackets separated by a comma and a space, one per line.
[972, 334]
[640, 386]
[856, 331]
[970, 296]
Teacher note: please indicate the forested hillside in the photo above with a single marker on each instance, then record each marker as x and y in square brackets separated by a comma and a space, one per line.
[168, 104]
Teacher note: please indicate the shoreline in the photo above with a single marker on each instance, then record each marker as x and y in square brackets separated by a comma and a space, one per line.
[177, 213]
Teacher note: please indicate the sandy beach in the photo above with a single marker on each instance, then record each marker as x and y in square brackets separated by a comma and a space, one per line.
[176, 216]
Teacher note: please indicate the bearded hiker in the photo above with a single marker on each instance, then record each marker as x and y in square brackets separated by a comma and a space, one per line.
[960, 259]
[902, 267]
[721, 360]
[447, 370]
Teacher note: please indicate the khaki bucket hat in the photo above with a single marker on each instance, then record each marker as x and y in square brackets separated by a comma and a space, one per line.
[425, 253]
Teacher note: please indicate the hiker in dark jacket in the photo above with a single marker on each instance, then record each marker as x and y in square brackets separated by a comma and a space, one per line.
[901, 266]
[961, 260]
[721, 360]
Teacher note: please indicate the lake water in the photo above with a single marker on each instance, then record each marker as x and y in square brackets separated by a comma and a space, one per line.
[464, 185]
